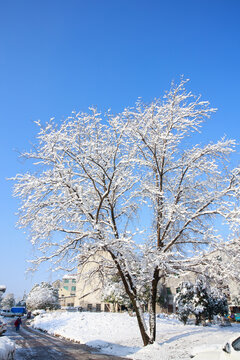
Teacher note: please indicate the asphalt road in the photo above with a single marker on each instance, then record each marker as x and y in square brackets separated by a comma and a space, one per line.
[33, 344]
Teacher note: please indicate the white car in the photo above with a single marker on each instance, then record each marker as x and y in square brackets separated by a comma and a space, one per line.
[7, 313]
[230, 351]
[3, 328]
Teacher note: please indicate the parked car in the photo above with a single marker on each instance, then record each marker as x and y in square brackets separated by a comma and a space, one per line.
[3, 327]
[7, 313]
[230, 351]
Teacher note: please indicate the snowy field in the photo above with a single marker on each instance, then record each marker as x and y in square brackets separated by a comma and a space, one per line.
[118, 334]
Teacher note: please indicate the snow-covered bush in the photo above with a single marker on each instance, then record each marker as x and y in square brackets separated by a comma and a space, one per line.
[199, 300]
[43, 296]
[7, 348]
[8, 301]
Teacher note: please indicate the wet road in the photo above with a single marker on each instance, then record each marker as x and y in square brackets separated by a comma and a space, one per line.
[32, 344]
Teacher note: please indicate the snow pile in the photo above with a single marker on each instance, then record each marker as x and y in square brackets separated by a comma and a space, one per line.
[108, 332]
[7, 348]
[38, 312]
[118, 334]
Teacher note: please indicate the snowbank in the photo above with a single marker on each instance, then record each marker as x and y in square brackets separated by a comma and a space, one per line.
[38, 312]
[118, 334]
[7, 348]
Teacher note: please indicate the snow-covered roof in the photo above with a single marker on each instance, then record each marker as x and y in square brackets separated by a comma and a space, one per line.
[70, 276]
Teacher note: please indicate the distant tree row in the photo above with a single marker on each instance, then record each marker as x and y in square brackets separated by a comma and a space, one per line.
[42, 296]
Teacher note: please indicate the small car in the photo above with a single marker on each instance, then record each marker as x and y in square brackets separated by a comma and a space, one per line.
[3, 328]
[7, 313]
[230, 351]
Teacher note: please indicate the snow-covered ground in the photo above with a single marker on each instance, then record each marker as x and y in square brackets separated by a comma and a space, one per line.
[118, 334]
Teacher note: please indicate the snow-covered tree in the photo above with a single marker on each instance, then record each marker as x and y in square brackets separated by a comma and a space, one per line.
[8, 301]
[200, 300]
[217, 304]
[43, 296]
[2, 291]
[183, 301]
[114, 293]
[22, 302]
[98, 174]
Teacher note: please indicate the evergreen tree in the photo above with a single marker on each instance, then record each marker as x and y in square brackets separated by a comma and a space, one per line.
[217, 304]
[200, 300]
[184, 301]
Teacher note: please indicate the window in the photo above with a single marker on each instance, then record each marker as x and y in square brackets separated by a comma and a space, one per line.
[74, 281]
[73, 288]
[66, 281]
[65, 287]
[98, 307]
[106, 307]
[89, 307]
[169, 291]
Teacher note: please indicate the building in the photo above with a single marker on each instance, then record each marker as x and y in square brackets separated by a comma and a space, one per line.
[90, 283]
[67, 290]
[84, 289]
[170, 286]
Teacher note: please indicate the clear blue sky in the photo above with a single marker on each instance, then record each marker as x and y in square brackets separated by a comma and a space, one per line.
[62, 55]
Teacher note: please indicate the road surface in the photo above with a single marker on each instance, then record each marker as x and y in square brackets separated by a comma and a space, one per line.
[35, 345]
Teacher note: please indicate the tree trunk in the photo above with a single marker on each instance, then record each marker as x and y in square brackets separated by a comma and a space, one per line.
[141, 324]
[198, 319]
[152, 310]
[132, 293]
